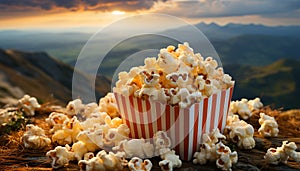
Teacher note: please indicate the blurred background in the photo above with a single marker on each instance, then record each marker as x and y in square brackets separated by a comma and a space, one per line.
[257, 41]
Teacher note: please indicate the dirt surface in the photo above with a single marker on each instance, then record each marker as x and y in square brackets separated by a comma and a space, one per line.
[13, 156]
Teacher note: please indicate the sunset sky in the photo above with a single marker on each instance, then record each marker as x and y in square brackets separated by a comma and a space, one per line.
[92, 14]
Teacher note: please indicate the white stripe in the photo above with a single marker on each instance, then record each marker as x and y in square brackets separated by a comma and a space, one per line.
[129, 114]
[137, 116]
[181, 132]
[154, 117]
[191, 131]
[145, 117]
[218, 104]
[163, 118]
[200, 115]
[172, 126]
[209, 106]
[227, 96]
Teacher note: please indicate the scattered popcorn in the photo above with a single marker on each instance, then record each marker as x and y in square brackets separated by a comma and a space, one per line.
[170, 161]
[225, 158]
[268, 126]
[7, 115]
[35, 138]
[28, 105]
[68, 133]
[135, 148]
[90, 109]
[241, 108]
[60, 156]
[162, 142]
[108, 104]
[56, 120]
[176, 77]
[103, 161]
[207, 151]
[282, 154]
[244, 108]
[75, 107]
[137, 164]
[255, 104]
[212, 149]
[95, 119]
[239, 132]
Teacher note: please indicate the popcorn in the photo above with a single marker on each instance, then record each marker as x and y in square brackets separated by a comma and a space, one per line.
[75, 107]
[239, 132]
[162, 142]
[225, 158]
[7, 115]
[175, 69]
[282, 154]
[241, 108]
[137, 164]
[95, 119]
[56, 120]
[35, 138]
[212, 149]
[103, 161]
[28, 105]
[269, 126]
[170, 161]
[60, 156]
[68, 134]
[90, 109]
[88, 156]
[207, 151]
[135, 148]
[255, 104]
[108, 104]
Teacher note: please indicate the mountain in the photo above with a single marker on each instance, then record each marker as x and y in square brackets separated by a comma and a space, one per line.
[42, 76]
[217, 32]
[277, 83]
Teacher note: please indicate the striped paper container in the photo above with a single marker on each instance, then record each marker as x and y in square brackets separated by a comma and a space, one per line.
[183, 125]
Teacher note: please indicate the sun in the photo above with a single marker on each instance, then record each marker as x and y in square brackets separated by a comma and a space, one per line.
[116, 12]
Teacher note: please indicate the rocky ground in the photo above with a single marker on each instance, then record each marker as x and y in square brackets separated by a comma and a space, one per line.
[13, 156]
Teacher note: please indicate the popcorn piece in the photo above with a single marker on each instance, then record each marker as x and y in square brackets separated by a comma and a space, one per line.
[103, 161]
[207, 151]
[239, 132]
[268, 126]
[135, 148]
[88, 156]
[95, 119]
[56, 120]
[75, 107]
[108, 104]
[137, 164]
[90, 109]
[170, 161]
[28, 105]
[162, 142]
[35, 138]
[68, 134]
[225, 158]
[282, 154]
[255, 104]
[60, 156]
[241, 108]
[8, 115]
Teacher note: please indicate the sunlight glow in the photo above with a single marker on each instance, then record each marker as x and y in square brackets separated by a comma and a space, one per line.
[118, 12]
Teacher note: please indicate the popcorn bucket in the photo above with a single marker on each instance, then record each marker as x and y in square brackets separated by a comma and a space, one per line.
[184, 126]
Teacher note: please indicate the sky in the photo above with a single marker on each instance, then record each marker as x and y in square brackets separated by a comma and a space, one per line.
[92, 14]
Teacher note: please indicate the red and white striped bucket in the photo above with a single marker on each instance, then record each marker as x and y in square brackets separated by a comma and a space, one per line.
[183, 125]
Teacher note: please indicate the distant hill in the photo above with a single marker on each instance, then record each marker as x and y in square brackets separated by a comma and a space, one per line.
[277, 83]
[42, 76]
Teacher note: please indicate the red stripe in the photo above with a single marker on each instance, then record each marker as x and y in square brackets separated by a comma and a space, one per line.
[223, 94]
[186, 133]
[133, 115]
[213, 112]
[149, 116]
[141, 116]
[204, 114]
[177, 129]
[158, 113]
[195, 136]
[125, 116]
[168, 117]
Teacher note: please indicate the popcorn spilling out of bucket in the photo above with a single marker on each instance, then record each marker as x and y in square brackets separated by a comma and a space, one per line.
[180, 93]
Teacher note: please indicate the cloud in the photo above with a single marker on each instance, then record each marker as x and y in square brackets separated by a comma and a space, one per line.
[226, 8]
[73, 5]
